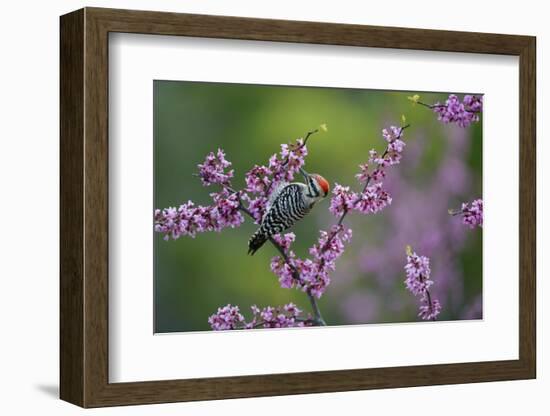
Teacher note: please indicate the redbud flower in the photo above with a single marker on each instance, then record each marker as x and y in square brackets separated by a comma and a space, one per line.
[472, 213]
[257, 179]
[212, 171]
[418, 271]
[342, 200]
[364, 173]
[190, 219]
[285, 240]
[283, 271]
[289, 161]
[256, 207]
[310, 274]
[229, 317]
[462, 113]
[372, 200]
[429, 309]
[418, 283]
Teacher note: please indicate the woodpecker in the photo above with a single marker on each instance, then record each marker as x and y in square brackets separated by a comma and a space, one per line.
[287, 204]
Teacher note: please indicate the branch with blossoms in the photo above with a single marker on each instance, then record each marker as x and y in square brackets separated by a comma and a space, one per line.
[418, 282]
[229, 205]
[463, 113]
[310, 275]
[230, 317]
[471, 213]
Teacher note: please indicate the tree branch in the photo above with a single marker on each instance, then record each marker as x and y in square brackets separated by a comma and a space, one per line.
[432, 106]
[318, 318]
[345, 213]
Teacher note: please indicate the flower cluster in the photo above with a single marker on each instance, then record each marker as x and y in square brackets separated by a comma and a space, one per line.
[472, 213]
[285, 270]
[285, 241]
[312, 275]
[190, 219]
[429, 309]
[328, 249]
[373, 198]
[462, 113]
[256, 207]
[281, 168]
[229, 317]
[262, 180]
[291, 160]
[213, 170]
[342, 200]
[418, 283]
[257, 179]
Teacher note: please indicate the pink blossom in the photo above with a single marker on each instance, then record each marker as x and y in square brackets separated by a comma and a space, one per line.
[285, 240]
[226, 210]
[472, 213]
[418, 283]
[418, 271]
[256, 207]
[295, 155]
[287, 316]
[373, 155]
[281, 168]
[342, 200]
[227, 317]
[473, 103]
[364, 173]
[429, 309]
[189, 219]
[378, 174]
[257, 179]
[461, 113]
[212, 171]
[314, 276]
[283, 271]
[330, 245]
[392, 134]
[372, 200]
[311, 275]
[292, 158]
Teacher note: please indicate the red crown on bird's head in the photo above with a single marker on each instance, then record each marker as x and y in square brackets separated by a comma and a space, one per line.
[323, 183]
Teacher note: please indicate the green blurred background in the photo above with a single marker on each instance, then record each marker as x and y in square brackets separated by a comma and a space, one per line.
[441, 168]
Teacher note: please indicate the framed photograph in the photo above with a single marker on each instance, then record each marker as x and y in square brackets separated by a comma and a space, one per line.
[255, 207]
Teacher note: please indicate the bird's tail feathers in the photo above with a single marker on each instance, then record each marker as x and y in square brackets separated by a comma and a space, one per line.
[256, 241]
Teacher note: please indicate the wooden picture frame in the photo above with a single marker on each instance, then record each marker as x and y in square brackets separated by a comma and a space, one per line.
[84, 207]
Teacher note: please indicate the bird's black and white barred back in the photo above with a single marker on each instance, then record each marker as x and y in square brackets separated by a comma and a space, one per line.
[288, 204]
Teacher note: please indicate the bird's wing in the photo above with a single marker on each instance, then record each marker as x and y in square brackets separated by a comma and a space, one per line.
[274, 194]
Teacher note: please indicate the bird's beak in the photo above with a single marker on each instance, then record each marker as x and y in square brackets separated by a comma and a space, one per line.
[304, 173]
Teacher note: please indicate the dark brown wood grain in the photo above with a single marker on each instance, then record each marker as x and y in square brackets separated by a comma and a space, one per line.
[84, 207]
[71, 210]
